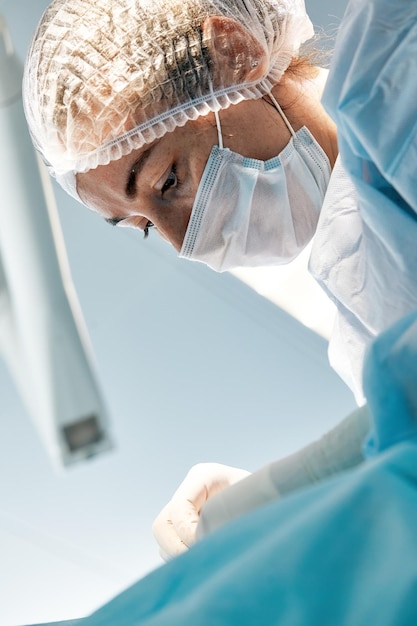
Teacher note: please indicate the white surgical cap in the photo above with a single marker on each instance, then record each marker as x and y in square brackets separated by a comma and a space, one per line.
[104, 77]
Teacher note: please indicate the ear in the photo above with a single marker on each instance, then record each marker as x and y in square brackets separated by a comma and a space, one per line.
[236, 55]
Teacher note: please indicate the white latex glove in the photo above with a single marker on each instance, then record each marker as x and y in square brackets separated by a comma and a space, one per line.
[338, 450]
[175, 526]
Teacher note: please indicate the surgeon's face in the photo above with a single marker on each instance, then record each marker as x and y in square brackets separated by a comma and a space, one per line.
[158, 183]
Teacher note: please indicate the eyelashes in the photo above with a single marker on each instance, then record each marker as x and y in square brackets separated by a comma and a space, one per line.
[135, 221]
[171, 181]
[149, 225]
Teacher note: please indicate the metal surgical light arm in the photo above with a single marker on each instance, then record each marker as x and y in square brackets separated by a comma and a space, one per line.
[42, 332]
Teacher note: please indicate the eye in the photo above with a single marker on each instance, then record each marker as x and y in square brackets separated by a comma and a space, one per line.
[171, 181]
[134, 221]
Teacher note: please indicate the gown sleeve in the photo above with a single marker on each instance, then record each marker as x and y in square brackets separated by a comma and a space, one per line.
[371, 94]
[338, 450]
[365, 253]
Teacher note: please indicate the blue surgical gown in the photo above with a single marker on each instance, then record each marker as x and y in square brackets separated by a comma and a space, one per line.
[344, 552]
[365, 253]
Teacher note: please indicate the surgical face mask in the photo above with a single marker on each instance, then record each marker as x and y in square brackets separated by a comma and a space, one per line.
[250, 213]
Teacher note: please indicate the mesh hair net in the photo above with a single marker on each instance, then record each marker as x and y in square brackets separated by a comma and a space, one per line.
[104, 77]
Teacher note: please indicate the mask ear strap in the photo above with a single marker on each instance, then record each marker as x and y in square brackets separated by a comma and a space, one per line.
[282, 114]
[219, 129]
[217, 117]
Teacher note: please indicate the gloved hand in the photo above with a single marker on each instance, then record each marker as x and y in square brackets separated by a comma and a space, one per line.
[175, 526]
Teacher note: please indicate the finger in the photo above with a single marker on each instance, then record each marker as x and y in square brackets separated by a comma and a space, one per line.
[193, 490]
[202, 482]
[164, 556]
[168, 557]
[165, 534]
[185, 518]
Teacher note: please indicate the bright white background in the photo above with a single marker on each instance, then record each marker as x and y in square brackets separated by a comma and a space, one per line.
[194, 367]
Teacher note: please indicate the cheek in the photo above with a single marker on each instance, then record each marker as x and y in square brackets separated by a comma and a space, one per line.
[172, 224]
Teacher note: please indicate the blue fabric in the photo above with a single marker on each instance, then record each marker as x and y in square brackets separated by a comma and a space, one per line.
[342, 553]
[390, 379]
[372, 95]
[365, 254]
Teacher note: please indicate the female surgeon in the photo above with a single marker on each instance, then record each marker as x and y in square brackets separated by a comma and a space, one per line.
[204, 120]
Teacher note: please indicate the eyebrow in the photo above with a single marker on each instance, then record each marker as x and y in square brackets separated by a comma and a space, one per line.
[131, 188]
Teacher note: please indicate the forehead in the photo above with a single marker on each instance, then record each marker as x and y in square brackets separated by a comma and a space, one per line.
[102, 188]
